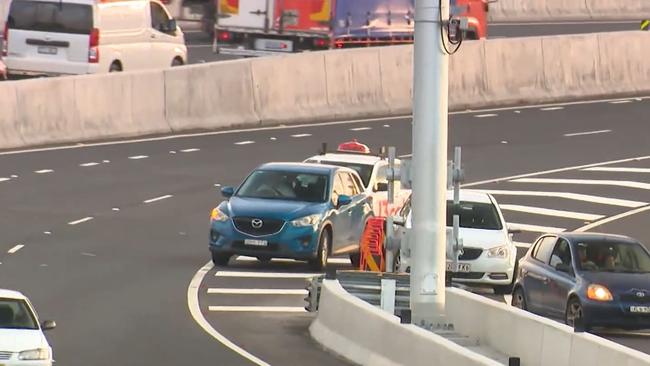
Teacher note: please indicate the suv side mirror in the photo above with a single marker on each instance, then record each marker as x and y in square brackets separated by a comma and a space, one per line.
[48, 325]
[381, 187]
[343, 200]
[227, 191]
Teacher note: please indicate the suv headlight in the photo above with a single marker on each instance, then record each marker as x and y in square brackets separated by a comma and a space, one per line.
[306, 221]
[218, 215]
[34, 354]
[499, 252]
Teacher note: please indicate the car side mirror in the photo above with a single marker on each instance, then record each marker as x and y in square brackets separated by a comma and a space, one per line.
[48, 325]
[514, 230]
[562, 267]
[343, 200]
[227, 191]
[381, 187]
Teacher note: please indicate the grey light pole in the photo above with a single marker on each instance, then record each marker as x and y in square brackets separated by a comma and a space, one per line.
[430, 94]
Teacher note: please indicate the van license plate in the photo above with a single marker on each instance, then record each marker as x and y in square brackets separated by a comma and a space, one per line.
[256, 243]
[274, 45]
[462, 267]
[48, 50]
[640, 309]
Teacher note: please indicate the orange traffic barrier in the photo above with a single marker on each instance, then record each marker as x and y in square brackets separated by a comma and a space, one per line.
[372, 246]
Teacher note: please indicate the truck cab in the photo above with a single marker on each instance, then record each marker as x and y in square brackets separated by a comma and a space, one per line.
[476, 12]
[372, 169]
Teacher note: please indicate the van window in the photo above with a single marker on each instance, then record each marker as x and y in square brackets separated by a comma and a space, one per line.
[159, 18]
[54, 17]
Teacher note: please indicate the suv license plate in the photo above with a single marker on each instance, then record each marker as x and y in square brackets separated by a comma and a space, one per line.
[48, 50]
[462, 267]
[256, 243]
[640, 309]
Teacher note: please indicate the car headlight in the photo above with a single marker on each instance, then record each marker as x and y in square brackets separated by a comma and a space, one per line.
[599, 293]
[218, 215]
[306, 221]
[499, 252]
[34, 354]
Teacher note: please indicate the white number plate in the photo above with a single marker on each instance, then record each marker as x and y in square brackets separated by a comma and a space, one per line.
[640, 309]
[256, 243]
[48, 50]
[462, 267]
[273, 45]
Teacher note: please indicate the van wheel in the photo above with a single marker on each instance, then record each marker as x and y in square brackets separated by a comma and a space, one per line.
[177, 62]
[115, 67]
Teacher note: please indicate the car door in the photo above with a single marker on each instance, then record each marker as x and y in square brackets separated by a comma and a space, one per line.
[339, 216]
[561, 279]
[163, 40]
[359, 209]
[534, 273]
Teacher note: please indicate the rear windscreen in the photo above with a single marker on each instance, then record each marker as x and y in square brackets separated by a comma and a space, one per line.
[55, 17]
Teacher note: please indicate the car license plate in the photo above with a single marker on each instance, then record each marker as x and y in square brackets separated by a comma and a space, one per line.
[48, 50]
[273, 45]
[640, 309]
[256, 243]
[462, 267]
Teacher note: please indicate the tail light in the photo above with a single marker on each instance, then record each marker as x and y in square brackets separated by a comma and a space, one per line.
[320, 42]
[224, 36]
[5, 38]
[93, 49]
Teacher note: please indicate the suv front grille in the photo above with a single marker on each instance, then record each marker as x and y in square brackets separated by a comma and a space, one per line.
[247, 226]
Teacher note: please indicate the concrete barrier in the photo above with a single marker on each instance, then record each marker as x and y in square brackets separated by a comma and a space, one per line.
[536, 340]
[558, 10]
[366, 335]
[9, 132]
[394, 62]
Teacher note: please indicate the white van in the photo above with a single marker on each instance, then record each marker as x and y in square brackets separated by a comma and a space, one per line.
[67, 37]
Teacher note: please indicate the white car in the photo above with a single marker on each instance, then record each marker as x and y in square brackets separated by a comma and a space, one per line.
[489, 255]
[22, 341]
[373, 172]
[71, 37]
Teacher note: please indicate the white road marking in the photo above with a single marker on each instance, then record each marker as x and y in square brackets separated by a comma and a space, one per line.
[244, 258]
[600, 182]
[550, 212]
[613, 218]
[14, 176]
[386, 125]
[106, 161]
[244, 142]
[190, 150]
[486, 115]
[115, 209]
[77, 222]
[544, 172]
[551, 109]
[47, 232]
[89, 164]
[618, 169]
[88, 254]
[621, 101]
[4, 179]
[256, 291]
[361, 129]
[569, 196]
[586, 133]
[538, 228]
[284, 127]
[273, 138]
[301, 135]
[138, 157]
[15, 249]
[243, 274]
[172, 152]
[43, 171]
[504, 142]
[159, 198]
[259, 309]
[195, 311]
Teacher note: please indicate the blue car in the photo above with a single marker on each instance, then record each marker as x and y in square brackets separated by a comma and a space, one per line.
[588, 280]
[291, 210]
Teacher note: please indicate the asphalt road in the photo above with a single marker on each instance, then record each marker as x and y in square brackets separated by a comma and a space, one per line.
[200, 47]
[117, 284]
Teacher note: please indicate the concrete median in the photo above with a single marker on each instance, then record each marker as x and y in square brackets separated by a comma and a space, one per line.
[567, 10]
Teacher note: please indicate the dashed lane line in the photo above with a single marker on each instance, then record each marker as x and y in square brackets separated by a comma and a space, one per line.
[586, 133]
[15, 249]
[77, 222]
[612, 169]
[258, 309]
[152, 200]
[244, 274]
[567, 195]
[601, 182]
[256, 291]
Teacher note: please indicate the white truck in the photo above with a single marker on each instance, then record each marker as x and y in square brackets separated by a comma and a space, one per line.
[373, 172]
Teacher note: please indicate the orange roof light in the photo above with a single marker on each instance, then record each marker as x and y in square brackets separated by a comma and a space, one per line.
[354, 146]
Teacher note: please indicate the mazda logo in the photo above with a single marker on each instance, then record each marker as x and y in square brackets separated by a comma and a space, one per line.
[640, 294]
[257, 223]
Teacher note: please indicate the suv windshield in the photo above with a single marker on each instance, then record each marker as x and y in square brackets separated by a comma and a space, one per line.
[475, 215]
[364, 170]
[15, 314]
[55, 17]
[273, 184]
[607, 256]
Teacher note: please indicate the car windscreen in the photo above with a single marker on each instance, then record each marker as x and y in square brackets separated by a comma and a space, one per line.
[364, 170]
[54, 17]
[283, 185]
[608, 256]
[474, 215]
[15, 314]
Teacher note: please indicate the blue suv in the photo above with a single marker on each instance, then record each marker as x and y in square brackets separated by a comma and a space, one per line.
[291, 210]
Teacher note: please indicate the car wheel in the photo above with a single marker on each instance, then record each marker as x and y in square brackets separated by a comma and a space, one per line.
[355, 259]
[575, 314]
[177, 62]
[220, 259]
[519, 299]
[320, 262]
[115, 67]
